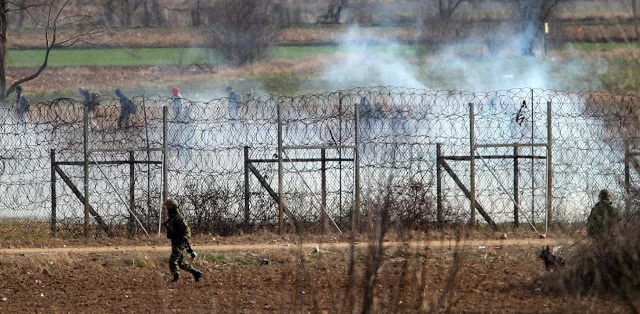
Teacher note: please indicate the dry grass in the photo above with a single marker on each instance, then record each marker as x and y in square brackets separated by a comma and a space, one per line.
[190, 37]
[605, 268]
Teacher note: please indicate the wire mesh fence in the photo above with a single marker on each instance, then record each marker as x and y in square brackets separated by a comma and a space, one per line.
[409, 152]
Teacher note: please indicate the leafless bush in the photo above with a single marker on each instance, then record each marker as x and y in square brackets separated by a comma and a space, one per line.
[617, 110]
[243, 31]
[410, 206]
[206, 206]
[609, 267]
[438, 24]
[413, 206]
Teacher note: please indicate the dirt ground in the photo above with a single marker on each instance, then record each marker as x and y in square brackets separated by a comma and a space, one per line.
[304, 275]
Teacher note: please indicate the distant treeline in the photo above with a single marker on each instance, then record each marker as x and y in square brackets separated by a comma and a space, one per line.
[184, 13]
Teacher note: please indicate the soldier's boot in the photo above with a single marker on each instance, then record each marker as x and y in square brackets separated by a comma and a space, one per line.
[196, 274]
[176, 278]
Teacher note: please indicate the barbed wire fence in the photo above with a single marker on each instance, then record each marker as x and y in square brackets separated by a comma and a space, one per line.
[539, 155]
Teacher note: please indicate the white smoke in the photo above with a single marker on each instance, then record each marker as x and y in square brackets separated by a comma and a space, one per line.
[464, 66]
[362, 63]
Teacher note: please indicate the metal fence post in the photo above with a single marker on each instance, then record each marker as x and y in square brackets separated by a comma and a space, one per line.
[516, 186]
[439, 216]
[472, 155]
[356, 208]
[323, 190]
[549, 165]
[627, 178]
[280, 174]
[165, 158]
[132, 186]
[247, 189]
[86, 169]
[53, 194]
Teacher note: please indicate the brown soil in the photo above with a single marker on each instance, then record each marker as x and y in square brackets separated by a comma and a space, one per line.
[188, 37]
[494, 276]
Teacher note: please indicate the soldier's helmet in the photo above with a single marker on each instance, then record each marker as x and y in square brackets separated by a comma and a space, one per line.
[171, 204]
[605, 195]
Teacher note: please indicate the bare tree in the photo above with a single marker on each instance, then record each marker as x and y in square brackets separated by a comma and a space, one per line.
[437, 22]
[447, 7]
[333, 12]
[196, 20]
[243, 31]
[21, 13]
[110, 8]
[532, 14]
[123, 10]
[61, 29]
[152, 13]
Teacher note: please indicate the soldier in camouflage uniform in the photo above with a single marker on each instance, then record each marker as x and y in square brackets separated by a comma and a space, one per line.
[603, 217]
[179, 232]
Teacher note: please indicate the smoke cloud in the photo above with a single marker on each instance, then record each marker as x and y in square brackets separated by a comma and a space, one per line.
[464, 66]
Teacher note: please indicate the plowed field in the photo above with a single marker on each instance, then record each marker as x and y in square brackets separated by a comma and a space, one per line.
[303, 276]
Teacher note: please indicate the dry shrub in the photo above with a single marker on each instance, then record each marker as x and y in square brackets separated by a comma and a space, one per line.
[617, 110]
[242, 30]
[206, 206]
[409, 206]
[141, 260]
[607, 268]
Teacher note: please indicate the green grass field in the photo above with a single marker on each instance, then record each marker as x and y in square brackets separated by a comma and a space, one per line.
[181, 56]
[171, 56]
[108, 57]
[579, 73]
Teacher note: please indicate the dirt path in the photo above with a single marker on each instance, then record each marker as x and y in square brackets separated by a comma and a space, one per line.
[496, 244]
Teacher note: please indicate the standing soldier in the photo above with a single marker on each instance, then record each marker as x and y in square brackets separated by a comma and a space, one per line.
[603, 217]
[178, 232]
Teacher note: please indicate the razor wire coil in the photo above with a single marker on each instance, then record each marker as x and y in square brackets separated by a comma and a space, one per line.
[397, 136]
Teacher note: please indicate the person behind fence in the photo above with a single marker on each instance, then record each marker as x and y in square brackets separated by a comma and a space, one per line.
[185, 132]
[176, 104]
[127, 107]
[235, 101]
[364, 111]
[91, 100]
[603, 218]
[182, 124]
[399, 118]
[179, 233]
[22, 104]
